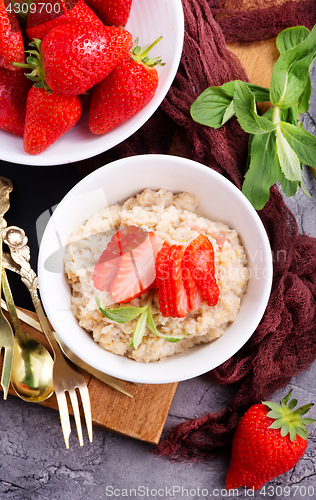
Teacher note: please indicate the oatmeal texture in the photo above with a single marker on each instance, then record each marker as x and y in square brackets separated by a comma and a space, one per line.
[173, 217]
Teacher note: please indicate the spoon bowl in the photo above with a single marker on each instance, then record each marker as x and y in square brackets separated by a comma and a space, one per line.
[32, 369]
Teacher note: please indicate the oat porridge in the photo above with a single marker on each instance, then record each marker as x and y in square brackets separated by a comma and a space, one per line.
[154, 327]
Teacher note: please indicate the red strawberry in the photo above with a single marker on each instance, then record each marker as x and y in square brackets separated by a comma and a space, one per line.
[48, 116]
[73, 57]
[136, 274]
[199, 259]
[77, 56]
[125, 240]
[14, 88]
[173, 300]
[111, 12]
[162, 278]
[131, 85]
[11, 41]
[178, 299]
[193, 291]
[269, 440]
[44, 15]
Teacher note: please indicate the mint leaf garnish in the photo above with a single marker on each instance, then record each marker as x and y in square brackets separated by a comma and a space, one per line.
[128, 313]
[120, 314]
[139, 330]
[152, 326]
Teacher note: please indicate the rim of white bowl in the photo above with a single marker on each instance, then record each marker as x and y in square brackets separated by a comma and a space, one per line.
[151, 373]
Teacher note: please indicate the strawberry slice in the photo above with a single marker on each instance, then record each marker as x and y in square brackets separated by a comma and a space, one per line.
[173, 299]
[162, 276]
[199, 257]
[123, 241]
[193, 291]
[179, 304]
[136, 274]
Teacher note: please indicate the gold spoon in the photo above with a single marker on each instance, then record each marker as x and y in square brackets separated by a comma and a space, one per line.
[32, 367]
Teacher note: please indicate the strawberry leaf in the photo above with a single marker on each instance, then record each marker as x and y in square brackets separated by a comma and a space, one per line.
[303, 409]
[300, 431]
[292, 404]
[288, 421]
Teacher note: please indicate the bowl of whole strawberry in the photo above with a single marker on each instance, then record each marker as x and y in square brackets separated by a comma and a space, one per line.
[96, 72]
[155, 269]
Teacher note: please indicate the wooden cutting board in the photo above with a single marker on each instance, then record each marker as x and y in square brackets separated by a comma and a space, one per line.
[144, 416]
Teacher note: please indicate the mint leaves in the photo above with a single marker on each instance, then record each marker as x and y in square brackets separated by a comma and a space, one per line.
[145, 319]
[278, 145]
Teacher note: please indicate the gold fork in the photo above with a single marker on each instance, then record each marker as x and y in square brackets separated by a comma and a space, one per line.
[67, 377]
[6, 332]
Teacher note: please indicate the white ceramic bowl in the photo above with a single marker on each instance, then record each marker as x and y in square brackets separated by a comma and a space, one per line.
[218, 199]
[148, 20]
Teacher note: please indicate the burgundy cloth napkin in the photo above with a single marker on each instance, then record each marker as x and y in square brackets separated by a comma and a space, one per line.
[284, 343]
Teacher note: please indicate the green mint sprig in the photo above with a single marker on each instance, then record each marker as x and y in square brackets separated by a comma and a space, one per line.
[278, 144]
[145, 319]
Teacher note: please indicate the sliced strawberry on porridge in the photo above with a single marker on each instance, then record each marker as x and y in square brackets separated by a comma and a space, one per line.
[162, 274]
[194, 293]
[199, 256]
[135, 273]
[179, 304]
[123, 241]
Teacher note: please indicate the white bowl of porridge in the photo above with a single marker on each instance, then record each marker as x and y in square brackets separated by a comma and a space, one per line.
[171, 330]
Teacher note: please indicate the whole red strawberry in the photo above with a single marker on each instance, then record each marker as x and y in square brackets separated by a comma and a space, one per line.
[112, 12]
[11, 41]
[73, 57]
[269, 440]
[131, 85]
[48, 116]
[77, 56]
[44, 15]
[14, 88]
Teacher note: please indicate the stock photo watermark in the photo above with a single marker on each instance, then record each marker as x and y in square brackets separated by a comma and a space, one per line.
[176, 491]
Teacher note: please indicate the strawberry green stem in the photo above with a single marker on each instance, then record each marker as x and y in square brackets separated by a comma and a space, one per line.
[286, 419]
[34, 62]
[139, 54]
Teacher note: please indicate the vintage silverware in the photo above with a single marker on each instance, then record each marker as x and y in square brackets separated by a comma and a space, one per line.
[6, 333]
[66, 375]
[107, 379]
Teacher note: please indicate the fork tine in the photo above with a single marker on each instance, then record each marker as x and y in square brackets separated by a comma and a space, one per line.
[64, 416]
[85, 399]
[75, 407]
[6, 370]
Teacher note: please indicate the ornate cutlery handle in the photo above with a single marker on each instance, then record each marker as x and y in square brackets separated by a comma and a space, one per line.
[6, 187]
[16, 240]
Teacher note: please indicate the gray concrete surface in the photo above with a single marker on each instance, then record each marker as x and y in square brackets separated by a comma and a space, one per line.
[34, 464]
